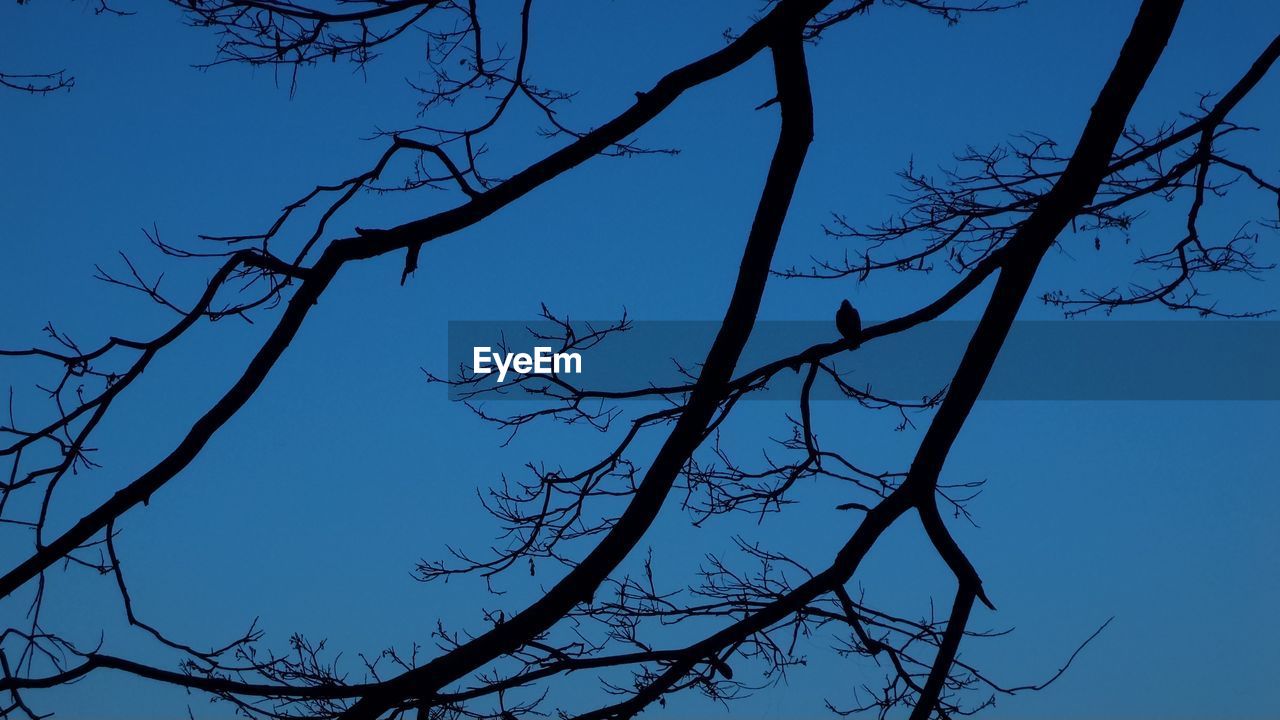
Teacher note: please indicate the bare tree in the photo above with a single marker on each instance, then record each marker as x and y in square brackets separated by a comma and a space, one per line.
[991, 220]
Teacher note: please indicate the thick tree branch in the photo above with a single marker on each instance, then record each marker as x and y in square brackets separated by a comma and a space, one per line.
[708, 393]
[1076, 187]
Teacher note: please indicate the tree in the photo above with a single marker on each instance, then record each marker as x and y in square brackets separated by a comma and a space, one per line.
[991, 221]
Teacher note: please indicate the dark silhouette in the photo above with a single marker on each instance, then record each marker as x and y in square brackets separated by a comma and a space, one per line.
[993, 220]
[849, 323]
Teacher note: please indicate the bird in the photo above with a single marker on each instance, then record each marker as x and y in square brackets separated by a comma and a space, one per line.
[849, 323]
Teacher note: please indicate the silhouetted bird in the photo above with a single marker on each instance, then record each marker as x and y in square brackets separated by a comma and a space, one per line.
[849, 323]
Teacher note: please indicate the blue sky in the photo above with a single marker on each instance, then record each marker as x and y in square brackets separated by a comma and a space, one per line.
[311, 507]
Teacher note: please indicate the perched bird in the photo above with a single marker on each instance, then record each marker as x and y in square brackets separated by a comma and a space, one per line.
[849, 323]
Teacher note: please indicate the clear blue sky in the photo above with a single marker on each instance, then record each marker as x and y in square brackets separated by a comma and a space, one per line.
[311, 507]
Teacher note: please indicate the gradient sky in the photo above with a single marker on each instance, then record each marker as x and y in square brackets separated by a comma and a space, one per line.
[312, 505]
